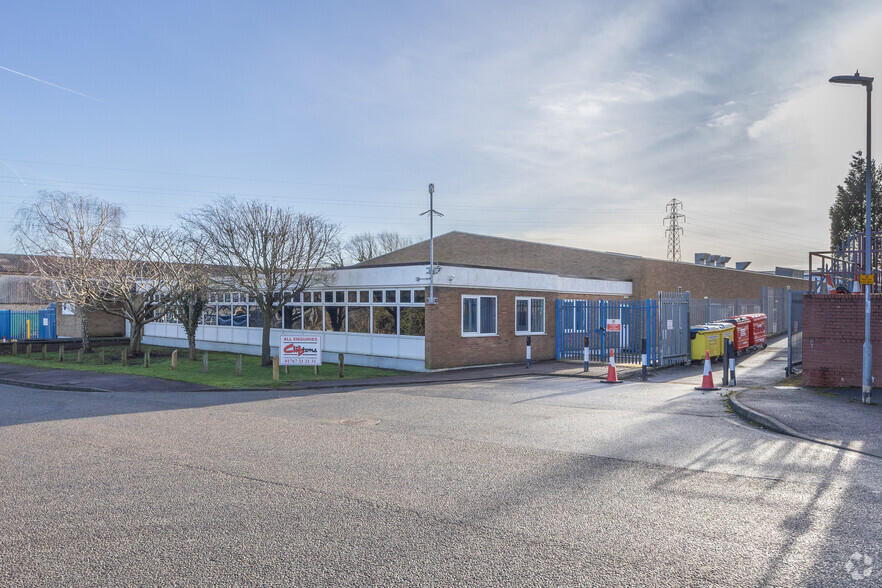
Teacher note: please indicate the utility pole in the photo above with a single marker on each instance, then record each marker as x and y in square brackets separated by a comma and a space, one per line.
[432, 269]
[674, 229]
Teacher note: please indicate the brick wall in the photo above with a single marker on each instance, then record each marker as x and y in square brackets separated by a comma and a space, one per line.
[701, 281]
[446, 347]
[833, 338]
[101, 324]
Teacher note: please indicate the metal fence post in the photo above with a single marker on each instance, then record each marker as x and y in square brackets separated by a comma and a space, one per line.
[528, 351]
[643, 357]
[725, 361]
[587, 353]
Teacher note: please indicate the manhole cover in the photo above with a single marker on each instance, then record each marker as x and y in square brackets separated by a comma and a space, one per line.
[354, 422]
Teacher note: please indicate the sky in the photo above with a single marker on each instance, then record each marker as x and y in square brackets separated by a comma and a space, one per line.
[565, 122]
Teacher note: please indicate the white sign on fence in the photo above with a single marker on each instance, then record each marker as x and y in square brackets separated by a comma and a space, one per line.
[670, 324]
[300, 350]
[613, 325]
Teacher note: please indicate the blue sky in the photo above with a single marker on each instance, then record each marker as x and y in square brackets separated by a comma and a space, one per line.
[565, 122]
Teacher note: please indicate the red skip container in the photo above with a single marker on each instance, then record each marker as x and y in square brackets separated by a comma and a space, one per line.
[757, 329]
[741, 334]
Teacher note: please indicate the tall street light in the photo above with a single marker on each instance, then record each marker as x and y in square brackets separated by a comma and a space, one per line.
[867, 380]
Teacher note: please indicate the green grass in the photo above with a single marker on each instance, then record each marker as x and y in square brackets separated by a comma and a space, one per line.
[221, 368]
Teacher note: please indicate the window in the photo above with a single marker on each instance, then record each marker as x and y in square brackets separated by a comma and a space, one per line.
[223, 315]
[209, 315]
[335, 318]
[359, 319]
[293, 318]
[385, 320]
[312, 318]
[478, 315]
[413, 321]
[405, 297]
[529, 316]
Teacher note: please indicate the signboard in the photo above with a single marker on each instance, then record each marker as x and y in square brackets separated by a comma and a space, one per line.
[300, 350]
[67, 309]
[670, 324]
[613, 325]
[867, 279]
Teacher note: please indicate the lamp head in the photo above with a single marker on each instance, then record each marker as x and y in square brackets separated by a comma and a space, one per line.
[856, 80]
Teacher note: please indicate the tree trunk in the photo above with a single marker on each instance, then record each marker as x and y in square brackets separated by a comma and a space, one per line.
[265, 352]
[135, 343]
[191, 342]
[84, 323]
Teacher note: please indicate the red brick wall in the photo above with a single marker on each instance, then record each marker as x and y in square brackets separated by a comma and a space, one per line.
[833, 339]
[446, 347]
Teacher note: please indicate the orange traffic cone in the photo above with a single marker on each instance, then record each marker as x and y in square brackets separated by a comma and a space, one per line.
[707, 380]
[611, 377]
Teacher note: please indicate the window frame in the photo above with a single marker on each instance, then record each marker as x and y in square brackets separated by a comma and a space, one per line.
[477, 298]
[529, 300]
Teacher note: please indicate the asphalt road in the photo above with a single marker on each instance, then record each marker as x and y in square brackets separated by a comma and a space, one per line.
[525, 481]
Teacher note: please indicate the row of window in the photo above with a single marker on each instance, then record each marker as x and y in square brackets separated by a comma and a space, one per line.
[377, 320]
[479, 316]
[335, 297]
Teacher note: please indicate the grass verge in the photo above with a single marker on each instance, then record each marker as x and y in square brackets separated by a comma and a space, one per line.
[221, 368]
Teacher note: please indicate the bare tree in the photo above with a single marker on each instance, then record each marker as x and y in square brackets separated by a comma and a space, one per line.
[62, 233]
[389, 241]
[134, 276]
[364, 246]
[270, 253]
[190, 285]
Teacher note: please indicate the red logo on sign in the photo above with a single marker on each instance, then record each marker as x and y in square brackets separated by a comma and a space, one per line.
[293, 349]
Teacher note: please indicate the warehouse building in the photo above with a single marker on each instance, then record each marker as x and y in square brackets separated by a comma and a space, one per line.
[491, 294]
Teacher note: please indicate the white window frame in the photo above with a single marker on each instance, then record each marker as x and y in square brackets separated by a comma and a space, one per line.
[529, 300]
[495, 317]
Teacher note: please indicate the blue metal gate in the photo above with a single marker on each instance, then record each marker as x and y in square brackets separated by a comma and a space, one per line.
[27, 324]
[636, 319]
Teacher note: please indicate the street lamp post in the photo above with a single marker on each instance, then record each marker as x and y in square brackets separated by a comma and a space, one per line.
[867, 379]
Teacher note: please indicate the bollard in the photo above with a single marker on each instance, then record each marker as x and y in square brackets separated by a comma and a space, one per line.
[204, 362]
[61, 353]
[286, 369]
[529, 351]
[340, 364]
[275, 369]
[732, 366]
[124, 357]
[586, 354]
[147, 359]
[239, 365]
[174, 359]
[315, 369]
[101, 357]
[15, 347]
[29, 349]
[45, 351]
[79, 356]
[726, 361]
[643, 358]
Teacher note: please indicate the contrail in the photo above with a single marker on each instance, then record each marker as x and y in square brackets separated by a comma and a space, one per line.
[13, 169]
[24, 75]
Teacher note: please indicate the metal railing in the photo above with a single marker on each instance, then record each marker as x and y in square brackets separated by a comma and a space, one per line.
[841, 268]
